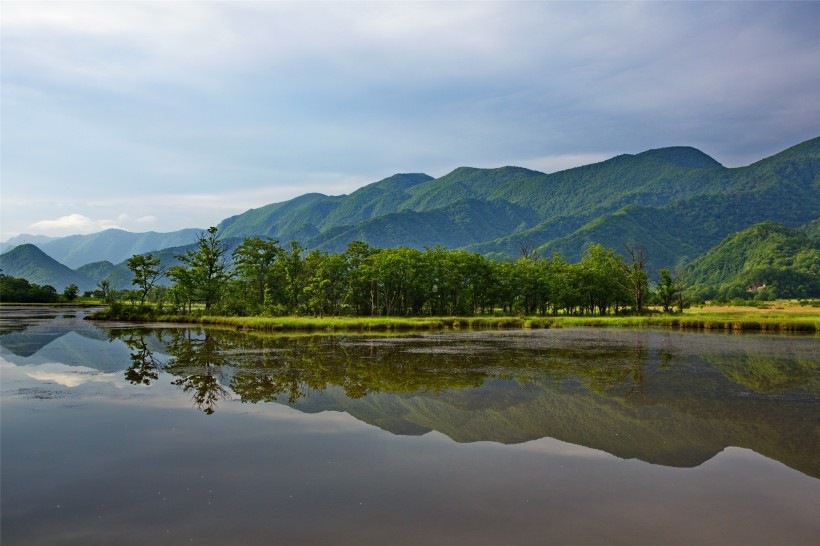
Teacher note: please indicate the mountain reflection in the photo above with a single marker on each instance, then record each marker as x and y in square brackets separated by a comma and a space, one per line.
[669, 398]
[657, 397]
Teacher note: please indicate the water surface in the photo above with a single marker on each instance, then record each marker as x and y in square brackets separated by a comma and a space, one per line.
[177, 435]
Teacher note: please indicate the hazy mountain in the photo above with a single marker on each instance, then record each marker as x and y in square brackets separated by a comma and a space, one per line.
[113, 245]
[24, 239]
[30, 263]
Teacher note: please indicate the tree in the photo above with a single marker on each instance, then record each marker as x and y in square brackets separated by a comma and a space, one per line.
[666, 289]
[256, 261]
[147, 271]
[207, 268]
[294, 269]
[636, 279]
[71, 291]
[602, 279]
[106, 291]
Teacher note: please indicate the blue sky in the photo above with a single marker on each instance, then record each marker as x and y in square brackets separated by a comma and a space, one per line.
[156, 116]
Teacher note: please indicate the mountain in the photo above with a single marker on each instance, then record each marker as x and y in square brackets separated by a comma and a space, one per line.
[812, 230]
[462, 223]
[783, 188]
[113, 245]
[25, 239]
[97, 270]
[29, 262]
[677, 202]
[767, 256]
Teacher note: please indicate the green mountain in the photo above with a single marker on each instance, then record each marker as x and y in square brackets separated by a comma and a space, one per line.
[30, 263]
[677, 202]
[783, 188]
[462, 223]
[767, 256]
[97, 270]
[812, 230]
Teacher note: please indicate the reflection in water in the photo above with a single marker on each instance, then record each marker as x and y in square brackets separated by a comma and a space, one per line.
[660, 397]
[664, 397]
[96, 449]
[197, 362]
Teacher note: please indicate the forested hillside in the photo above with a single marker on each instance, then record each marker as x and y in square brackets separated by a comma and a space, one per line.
[675, 202]
[766, 260]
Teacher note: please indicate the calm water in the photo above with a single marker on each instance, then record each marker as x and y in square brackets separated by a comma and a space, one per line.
[112, 434]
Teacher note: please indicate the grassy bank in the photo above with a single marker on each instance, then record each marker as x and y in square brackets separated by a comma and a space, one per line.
[780, 318]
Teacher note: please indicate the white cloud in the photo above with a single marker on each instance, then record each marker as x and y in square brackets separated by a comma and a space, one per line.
[75, 377]
[69, 224]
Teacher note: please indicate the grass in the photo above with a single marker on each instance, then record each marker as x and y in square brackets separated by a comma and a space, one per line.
[778, 317]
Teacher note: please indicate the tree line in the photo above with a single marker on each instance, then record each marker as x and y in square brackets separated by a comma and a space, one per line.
[262, 277]
[18, 290]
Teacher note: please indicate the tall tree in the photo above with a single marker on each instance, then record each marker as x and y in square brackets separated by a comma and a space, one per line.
[255, 260]
[636, 279]
[147, 271]
[207, 267]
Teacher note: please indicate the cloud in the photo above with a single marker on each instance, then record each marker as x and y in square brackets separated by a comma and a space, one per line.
[210, 105]
[75, 378]
[72, 223]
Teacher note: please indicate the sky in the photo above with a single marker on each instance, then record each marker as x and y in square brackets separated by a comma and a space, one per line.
[158, 116]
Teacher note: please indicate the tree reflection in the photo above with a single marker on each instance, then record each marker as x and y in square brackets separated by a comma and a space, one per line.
[197, 360]
[144, 368]
[207, 363]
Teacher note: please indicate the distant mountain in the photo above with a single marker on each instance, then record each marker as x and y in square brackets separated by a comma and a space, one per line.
[30, 263]
[25, 239]
[113, 245]
[97, 270]
[767, 256]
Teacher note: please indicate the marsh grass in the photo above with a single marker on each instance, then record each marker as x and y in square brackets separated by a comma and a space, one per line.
[780, 317]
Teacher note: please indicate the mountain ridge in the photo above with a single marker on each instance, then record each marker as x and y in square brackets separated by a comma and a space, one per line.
[677, 201]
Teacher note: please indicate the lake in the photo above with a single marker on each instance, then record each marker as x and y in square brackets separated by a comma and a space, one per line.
[171, 435]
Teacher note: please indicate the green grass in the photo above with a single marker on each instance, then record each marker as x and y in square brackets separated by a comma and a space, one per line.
[783, 318]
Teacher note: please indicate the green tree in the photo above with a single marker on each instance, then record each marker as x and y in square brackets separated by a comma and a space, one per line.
[205, 269]
[106, 291]
[666, 289]
[146, 270]
[71, 291]
[295, 275]
[257, 264]
[636, 281]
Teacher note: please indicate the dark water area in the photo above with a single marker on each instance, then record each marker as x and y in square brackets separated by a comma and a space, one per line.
[171, 435]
